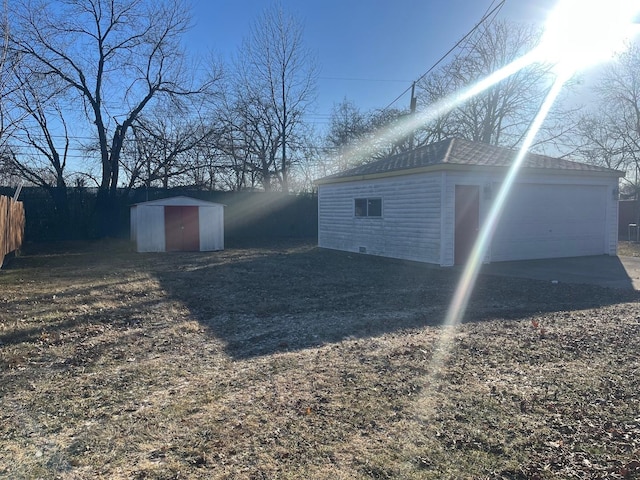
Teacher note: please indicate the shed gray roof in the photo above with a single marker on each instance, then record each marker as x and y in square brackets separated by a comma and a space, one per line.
[460, 152]
[179, 200]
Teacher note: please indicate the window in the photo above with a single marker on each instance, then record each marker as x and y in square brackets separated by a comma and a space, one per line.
[368, 207]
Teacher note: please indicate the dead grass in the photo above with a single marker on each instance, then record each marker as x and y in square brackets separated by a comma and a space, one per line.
[290, 362]
[629, 249]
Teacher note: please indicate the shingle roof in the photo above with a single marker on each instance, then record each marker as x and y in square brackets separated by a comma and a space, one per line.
[457, 151]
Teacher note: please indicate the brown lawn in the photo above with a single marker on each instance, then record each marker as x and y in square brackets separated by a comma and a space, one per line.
[287, 361]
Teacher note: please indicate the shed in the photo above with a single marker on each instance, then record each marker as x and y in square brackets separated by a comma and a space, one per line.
[177, 224]
[429, 203]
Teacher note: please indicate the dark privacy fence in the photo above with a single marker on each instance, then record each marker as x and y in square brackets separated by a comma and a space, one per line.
[248, 215]
[628, 214]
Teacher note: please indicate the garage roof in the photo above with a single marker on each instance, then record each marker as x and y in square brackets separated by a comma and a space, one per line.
[457, 152]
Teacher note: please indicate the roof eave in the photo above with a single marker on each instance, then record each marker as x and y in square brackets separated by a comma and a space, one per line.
[460, 167]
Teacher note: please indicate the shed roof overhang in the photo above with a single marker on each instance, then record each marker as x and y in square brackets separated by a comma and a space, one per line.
[179, 200]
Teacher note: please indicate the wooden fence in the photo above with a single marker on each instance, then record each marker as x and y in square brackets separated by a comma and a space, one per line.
[11, 226]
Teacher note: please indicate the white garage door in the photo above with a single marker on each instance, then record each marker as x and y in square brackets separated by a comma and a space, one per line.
[551, 221]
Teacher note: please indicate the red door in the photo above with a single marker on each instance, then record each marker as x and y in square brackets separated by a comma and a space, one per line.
[181, 229]
[467, 221]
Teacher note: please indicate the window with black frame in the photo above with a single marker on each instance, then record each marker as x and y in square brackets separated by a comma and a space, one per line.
[368, 207]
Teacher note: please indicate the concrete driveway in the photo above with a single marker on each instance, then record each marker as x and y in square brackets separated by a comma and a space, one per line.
[603, 270]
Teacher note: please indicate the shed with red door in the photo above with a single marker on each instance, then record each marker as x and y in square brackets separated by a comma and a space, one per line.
[429, 204]
[177, 224]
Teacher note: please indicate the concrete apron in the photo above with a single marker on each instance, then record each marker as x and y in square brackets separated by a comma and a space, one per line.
[603, 270]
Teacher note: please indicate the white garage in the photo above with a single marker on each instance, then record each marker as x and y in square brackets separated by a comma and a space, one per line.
[429, 204]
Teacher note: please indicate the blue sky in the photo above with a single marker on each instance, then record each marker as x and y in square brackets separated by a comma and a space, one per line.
[368, 51]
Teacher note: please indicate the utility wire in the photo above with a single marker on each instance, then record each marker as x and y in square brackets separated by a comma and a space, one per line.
[351, 79]
[477, 40]
[458, 43]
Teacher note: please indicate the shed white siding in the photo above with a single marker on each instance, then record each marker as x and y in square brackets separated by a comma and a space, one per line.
[409, 227]
[545, 216]
[150, 228]
[211, 219]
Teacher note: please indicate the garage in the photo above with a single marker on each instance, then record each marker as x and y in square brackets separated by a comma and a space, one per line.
[429, 204]
[177, 224]
[542, 221]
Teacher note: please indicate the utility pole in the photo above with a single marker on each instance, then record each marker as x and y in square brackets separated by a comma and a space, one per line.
[412, 104]
[412, 111]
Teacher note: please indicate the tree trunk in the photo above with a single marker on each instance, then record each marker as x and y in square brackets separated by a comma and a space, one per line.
[266, 180]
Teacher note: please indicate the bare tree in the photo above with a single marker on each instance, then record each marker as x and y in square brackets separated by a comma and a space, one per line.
[347, 127]
[4, 47]
[6, 88]
[501, 114]
[277, 75]
[115, 58]
[40, 141]
[609, 134]
[354, 137]
[389, 120]
[255, 140]
[247, 143]
[164, 147]
[213, 170]
[32, 149]
[347, 124]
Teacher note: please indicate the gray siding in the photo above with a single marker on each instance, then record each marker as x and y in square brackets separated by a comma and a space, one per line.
[211, 223]
[611, 247]
[409, 227]
[150, 228]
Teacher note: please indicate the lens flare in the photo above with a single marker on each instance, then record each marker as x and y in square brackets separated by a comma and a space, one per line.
[407, 125]
[572, 26]
[582, 33]
[472, 267]
[579, 33]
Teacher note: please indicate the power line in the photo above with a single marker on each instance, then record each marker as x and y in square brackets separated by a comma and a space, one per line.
[351, 79]
[458, 43]
[24, 138]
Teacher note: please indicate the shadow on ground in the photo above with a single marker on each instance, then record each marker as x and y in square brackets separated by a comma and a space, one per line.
[257, 300]
[267, 300]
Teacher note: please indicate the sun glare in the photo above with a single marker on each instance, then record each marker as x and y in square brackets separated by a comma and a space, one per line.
[578, 34]
[581, 33]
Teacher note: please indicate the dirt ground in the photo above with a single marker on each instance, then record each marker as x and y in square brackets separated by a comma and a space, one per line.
[288, 361]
